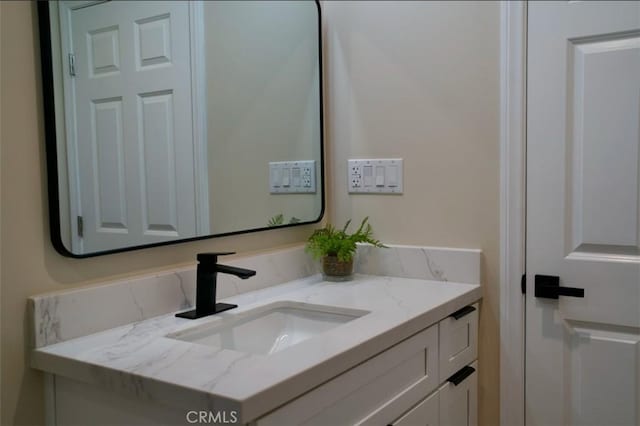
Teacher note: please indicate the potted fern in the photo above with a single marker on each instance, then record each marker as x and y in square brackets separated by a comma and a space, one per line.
[336, 248]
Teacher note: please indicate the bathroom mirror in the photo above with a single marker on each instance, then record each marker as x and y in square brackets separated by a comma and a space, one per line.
[170, 121]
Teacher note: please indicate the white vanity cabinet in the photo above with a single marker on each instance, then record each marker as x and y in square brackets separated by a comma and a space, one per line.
[427, 379]
[410, 360]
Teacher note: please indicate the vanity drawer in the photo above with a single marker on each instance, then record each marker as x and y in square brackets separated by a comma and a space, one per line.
[459, 403]
[458, 340]
[408, 369]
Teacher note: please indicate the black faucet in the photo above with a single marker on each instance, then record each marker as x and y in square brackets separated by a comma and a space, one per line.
[208, 269]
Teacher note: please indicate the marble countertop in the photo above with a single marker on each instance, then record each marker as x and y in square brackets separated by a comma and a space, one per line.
[138, 359]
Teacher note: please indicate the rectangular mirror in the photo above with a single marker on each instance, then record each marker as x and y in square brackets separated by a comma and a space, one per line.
[169, 121]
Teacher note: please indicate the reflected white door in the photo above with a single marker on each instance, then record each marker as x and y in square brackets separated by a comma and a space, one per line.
[133, 114]
[583, 214]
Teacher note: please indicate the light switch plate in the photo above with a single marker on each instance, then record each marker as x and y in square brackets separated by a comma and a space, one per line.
[292, 177]
[375, 176]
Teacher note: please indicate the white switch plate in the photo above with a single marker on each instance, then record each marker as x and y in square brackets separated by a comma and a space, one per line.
[375, 176]
[292, 177]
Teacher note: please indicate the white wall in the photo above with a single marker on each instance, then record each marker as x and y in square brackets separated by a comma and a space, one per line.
[419, 80]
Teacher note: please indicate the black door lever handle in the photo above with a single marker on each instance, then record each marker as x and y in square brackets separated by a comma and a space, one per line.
[548, 287]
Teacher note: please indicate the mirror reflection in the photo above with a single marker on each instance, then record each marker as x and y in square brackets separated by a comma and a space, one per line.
[176, 120]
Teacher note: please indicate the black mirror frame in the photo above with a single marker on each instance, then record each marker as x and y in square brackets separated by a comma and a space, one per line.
[46, 62]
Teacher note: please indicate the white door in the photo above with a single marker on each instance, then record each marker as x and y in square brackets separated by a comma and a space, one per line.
[133, 113]
[583, 214]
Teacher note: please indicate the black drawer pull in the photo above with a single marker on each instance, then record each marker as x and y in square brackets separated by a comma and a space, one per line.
[459, 377]
[462, 312]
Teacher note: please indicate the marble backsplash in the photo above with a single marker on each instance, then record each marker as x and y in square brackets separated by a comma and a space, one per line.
[81, 311]
[427, 263]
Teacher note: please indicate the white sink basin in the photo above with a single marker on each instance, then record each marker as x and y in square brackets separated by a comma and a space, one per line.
[270, 328]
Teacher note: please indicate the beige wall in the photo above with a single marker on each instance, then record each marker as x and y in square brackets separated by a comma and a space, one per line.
[419, 80]
[29, 263]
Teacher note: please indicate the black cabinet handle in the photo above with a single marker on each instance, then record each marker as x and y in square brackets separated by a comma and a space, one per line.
[462, 312]
[462, 374]
[548, 287]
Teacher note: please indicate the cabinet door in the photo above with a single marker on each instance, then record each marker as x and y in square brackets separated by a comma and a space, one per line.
[423, 414]
[459, 402]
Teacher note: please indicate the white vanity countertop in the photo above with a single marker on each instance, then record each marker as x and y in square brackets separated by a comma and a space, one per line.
[140, 360]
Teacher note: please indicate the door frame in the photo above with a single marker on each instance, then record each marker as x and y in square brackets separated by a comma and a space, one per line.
[513, 127]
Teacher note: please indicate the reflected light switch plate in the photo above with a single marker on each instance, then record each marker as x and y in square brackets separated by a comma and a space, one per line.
[292, 177]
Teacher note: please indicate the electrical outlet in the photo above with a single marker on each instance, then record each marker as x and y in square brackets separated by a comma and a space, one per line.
[375, 176]
[306, 176]
[355, 176]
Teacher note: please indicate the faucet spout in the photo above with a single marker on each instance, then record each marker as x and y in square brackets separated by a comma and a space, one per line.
[206, 285]
[234, 270]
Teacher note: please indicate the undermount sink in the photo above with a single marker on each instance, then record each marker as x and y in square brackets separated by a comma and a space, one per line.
[270, 328]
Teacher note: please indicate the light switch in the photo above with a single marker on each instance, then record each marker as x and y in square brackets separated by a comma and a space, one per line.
[276, 177]
[367, 175]
[295, 177]
[286, 177]
[379, 175]
[392, 176]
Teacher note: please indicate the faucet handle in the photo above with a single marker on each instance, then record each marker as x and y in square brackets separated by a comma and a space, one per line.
[212, 257]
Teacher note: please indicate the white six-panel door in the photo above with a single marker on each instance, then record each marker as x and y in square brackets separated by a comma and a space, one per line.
[133, 113]
[583, 212]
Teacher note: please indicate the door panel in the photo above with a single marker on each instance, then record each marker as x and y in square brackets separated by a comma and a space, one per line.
[158, 163]
[595, 351]
[603, 137]
[108, 165]
[153, 41]
[103, 46]
[583, 192]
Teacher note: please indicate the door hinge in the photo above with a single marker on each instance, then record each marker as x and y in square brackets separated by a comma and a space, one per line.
[80, 223]
[72, 64]
[523, 284]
